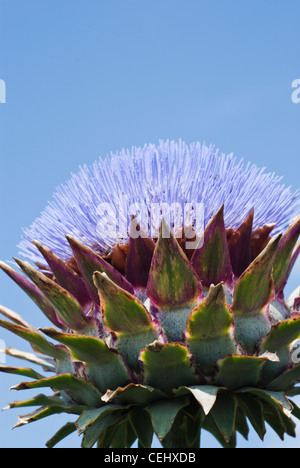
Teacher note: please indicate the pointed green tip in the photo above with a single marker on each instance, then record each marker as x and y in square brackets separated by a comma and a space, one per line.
[123, 312]
[25, 266]
[165, 231]
[103, 282]
[45, 251]
[220, 212]
[38, 244]
[216, 294]
[211, 260]
[75, 244]
[275, 242]
[284, 256]
[172, 281]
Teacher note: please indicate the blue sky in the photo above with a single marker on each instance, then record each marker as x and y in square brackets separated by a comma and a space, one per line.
[86, 77]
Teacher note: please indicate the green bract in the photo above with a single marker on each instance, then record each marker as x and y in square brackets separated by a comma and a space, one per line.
[158, 339]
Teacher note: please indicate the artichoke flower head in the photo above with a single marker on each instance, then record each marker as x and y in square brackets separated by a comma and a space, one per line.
[162, 271]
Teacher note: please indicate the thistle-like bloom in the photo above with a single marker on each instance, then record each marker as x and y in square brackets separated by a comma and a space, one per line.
[164, 174]
[163, 326]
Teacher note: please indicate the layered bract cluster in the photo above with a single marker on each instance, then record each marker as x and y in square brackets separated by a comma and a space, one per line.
[158, 338]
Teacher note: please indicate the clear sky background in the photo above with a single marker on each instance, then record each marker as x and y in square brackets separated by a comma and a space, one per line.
[85, 77]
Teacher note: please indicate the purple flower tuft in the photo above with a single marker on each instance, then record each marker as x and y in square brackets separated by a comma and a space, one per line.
[172, 172]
